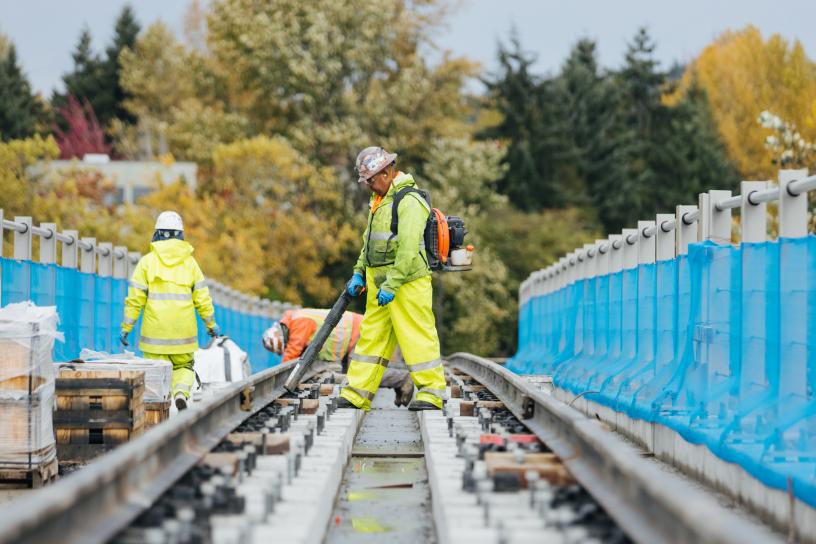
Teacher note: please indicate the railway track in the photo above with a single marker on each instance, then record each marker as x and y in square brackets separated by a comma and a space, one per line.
[504, 463]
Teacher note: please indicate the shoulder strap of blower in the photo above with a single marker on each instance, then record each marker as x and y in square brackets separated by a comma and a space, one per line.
[398, 198]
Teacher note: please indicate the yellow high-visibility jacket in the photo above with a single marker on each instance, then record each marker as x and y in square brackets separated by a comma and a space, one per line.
[168, 284]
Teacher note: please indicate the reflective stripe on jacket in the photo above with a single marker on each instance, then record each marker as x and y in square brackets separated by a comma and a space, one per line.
[395, 260]
[168, 284]
[304, 323]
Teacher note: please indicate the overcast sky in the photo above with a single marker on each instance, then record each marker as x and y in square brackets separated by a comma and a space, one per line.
[45, 31]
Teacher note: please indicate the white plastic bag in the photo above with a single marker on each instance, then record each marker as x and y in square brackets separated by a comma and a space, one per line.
[221, 362]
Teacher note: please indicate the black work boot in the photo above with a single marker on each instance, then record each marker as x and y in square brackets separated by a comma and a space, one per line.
[181, 401]
[417, 405]
[343, 402]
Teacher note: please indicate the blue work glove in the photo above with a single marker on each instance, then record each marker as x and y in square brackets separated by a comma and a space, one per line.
[384, 297]
[355, 285]
[214, 331]
[123, 337]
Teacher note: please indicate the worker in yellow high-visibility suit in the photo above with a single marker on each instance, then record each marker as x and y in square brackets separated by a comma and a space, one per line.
[394, 270]
[168, 284]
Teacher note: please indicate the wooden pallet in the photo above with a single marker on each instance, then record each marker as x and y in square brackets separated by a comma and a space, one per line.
[155, 413]
[24, 477]
[97, 411]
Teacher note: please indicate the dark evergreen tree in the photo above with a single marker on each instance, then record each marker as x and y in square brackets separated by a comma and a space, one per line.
[587, 98]
[605, 142]
[94, 78]
[539, 156]
[85, 80]
[125, 34]
[20, 110]
[668, 154]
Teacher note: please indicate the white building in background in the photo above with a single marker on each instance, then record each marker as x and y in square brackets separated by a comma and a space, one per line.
[132, 179]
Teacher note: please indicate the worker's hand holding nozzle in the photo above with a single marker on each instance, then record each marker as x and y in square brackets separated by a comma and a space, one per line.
[214, 331]
[356, 285]
[123, 338]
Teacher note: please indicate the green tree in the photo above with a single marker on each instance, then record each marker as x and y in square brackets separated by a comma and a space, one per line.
[540, 159]
[21, 112]
[96, 78]
[85, 80]
[668, 154]
[124, 36]
[335, 76]
[588, 99]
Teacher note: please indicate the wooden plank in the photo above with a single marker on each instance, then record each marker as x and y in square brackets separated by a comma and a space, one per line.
[155, 413]
[36, 477]
[95, 419]
[547, 465]
[307, 406]
[220, 460]
[468, 408]
[269, 443]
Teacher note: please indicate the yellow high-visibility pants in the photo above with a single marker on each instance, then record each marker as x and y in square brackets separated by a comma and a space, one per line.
[409, 320]
[183, 373]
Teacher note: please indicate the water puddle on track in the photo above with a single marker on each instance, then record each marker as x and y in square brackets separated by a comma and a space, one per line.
[384, 496]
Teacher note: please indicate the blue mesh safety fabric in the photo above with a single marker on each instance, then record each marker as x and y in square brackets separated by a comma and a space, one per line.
[91, 308]
[714, 344]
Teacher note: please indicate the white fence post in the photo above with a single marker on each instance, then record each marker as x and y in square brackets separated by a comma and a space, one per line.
[87, 257]
[120, 262]
[646, 244]
[719, 221]
[615, 253]
[792, 209]
[22, 240]
[602, 248]
[132, 261]
[105, 259]
[664, 239]
[630, 249]
[685, 233]
[48, 245]
[753, 217]
[70, 249]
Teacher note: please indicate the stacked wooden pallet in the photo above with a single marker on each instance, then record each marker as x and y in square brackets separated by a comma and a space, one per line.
[97, 411]
[157, 378]
[27, 451]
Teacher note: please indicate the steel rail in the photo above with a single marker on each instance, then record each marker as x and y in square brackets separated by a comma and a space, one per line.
[651, 505]
[95, 503]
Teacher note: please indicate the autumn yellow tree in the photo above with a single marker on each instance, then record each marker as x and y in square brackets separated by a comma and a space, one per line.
[745, 74]
[295, 211]
[174, 93]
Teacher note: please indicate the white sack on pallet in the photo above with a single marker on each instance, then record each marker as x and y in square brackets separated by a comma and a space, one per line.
[221, 362]
[158, 373]
[26, 428]
[27, 334]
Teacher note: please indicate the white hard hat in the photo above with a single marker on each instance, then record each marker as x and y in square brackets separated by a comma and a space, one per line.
[273, 338]
[371, 161]
[169, 221]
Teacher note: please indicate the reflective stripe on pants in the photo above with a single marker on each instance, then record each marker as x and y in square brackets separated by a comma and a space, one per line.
[409, 320]
[183, 373]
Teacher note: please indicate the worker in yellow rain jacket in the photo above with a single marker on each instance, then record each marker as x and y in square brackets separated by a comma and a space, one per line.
[394, 270]
[168, 284]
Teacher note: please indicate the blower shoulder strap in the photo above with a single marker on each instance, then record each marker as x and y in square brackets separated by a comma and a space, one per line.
[398, 198]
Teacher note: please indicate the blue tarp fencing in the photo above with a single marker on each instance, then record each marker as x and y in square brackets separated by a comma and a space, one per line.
[716, 345]
[91, 308]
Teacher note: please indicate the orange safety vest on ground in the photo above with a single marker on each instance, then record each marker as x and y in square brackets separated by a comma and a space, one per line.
[303, 323]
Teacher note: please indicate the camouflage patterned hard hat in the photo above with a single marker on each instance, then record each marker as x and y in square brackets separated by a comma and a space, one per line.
[371, 161]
